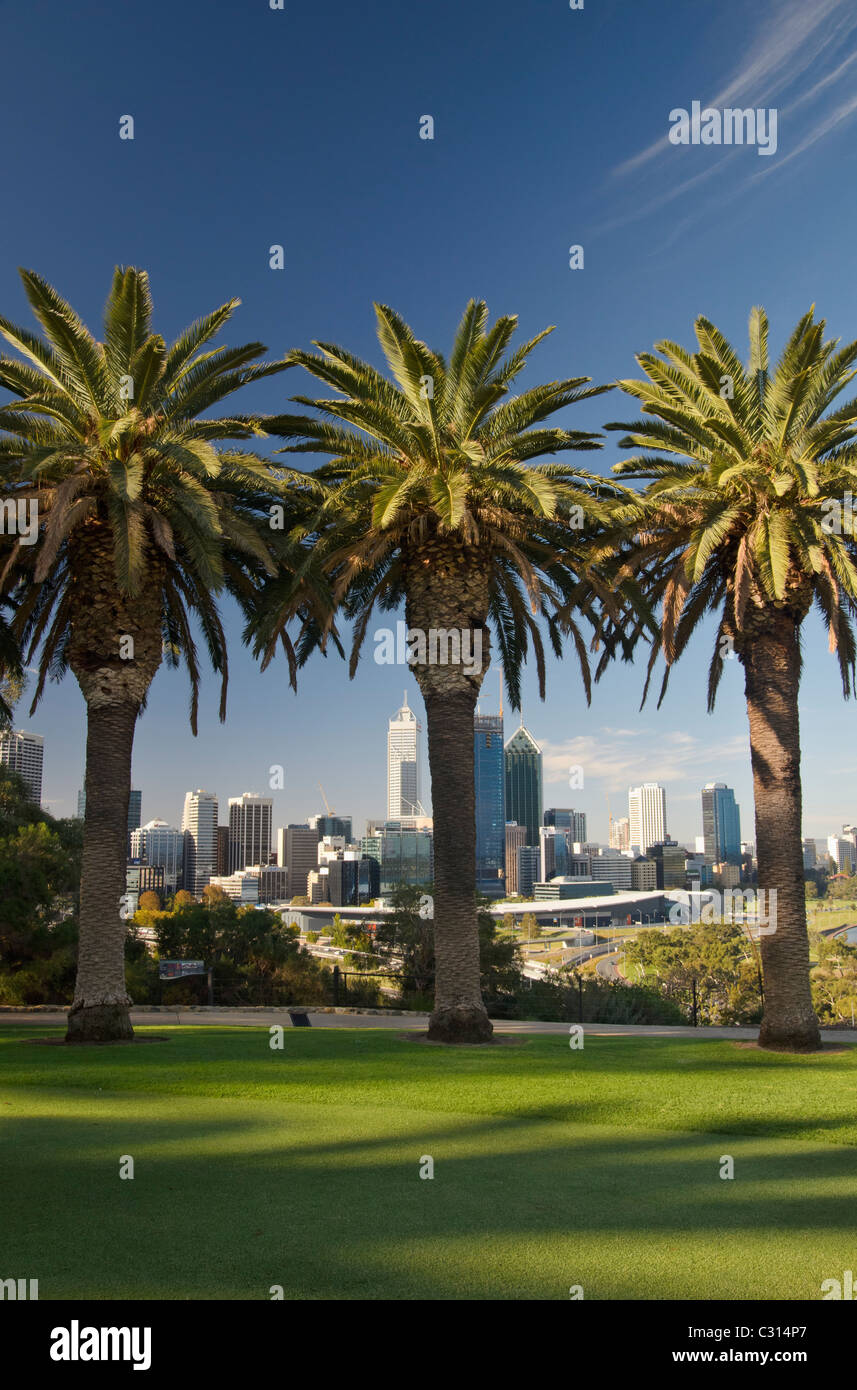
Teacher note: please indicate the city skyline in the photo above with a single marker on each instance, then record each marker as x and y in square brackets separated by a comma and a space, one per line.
[612, 751]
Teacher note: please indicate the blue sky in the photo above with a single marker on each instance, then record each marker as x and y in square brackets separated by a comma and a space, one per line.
[300, 127]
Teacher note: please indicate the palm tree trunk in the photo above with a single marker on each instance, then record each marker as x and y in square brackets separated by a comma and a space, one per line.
[771, 659]
[99, 1012]
[459, 1013]
[447, 587]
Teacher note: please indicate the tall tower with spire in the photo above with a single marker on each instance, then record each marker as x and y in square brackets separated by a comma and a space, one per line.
[403, 763]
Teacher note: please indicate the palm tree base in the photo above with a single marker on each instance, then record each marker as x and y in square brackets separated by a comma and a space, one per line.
[460, 1023]
[803, 1037]
[99, 1023]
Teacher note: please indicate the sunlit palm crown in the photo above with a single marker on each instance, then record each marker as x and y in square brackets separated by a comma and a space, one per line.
[107, 438]
[442, 455]
[733, 520]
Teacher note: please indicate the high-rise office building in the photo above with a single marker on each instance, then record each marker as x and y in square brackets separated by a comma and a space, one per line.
[222, 851]
[332, 825]
[523, 759]
[140, 879]
[199, 827]
[352, 881]
[620, 833]
[644, 875]
[160, 844]
[81, 805]
[647, 816]
[527, 869]
[249, 830]
[404, 856]
[516, 836]
[609, 866]
[554, 853]
[273, 884]
[721, 824]
[403, 763]
[490, 786]
[670, 864]
[25, 754]
[564, 818]
[297, 851]
[135, 812]
[842, 852]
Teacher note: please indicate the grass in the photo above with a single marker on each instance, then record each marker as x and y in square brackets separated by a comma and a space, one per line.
[830, 915]
[300, 1167]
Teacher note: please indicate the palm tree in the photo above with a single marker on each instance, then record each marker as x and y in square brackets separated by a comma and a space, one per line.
[431, 497]
[12, 677]
[142, 520]
[743, 466]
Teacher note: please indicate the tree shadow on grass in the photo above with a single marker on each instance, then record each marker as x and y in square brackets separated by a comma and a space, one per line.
[222, 1207]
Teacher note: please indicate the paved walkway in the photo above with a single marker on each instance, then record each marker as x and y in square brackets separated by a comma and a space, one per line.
[263, 1018]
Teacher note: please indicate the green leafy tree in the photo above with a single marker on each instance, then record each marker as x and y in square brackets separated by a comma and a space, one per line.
[406, 941]
[13, 681]
[144, 520]
[39, 877]
[530, 926]
[740, 462]
[433, 498]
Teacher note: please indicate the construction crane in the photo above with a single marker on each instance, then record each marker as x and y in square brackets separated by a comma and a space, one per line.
[610, 821]
[327, 808]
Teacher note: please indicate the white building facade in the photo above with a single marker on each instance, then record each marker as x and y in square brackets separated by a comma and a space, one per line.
[403, 764]
[647, 816]
[25, 754]
[199, 828]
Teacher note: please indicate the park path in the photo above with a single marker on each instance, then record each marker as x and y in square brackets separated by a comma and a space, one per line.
[263, 1018]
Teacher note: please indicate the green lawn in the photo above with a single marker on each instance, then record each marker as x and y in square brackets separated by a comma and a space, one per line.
[552, 1167]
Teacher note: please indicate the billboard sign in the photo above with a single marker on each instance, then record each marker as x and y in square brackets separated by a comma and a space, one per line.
[176, 969]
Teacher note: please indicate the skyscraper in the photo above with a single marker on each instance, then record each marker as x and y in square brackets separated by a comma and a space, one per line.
[223, 851]
[721, 824]
[403, 763]
[135, 814]
[199, 827]
[489, 777]
[527, 869]
[620, 833]
[332, 825]
[404, 855]
[564, 818]
[670, 865]
[523, 759]
[249, 830]
[516, 836]
[647, 814]
[555, 850]
[25, 754]
[297, 850]
[160, 845]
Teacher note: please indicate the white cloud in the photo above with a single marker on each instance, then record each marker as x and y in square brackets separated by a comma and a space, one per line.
[622, 758]
[793, 39]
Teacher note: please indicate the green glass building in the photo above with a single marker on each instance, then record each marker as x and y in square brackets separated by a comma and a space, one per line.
[523, 761]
